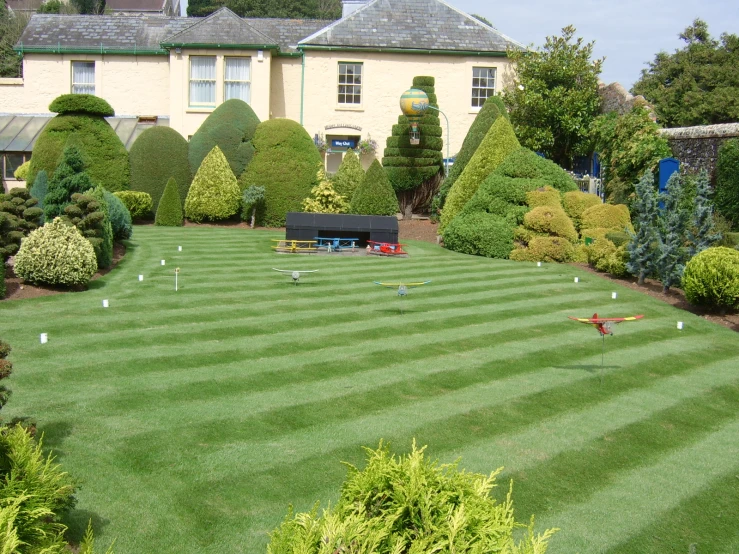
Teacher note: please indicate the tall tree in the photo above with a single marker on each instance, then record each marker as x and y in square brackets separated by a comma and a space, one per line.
[696, 85]
[553, 98]
[645, 214]
[11, 28]
[671, 234]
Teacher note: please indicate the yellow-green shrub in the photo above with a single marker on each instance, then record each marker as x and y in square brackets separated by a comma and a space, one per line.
[610, 216]
[324, 199]
[711, 278]
[56, 254]
[597, 233]
[551, 220]
[214, 193]
[545, 249]
[576, 202]
[139, 204]
[545, 196]
[22, 172]
[605, 256]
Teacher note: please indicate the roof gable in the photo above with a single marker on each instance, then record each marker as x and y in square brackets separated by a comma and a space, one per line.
[411, 25]
[221, 28]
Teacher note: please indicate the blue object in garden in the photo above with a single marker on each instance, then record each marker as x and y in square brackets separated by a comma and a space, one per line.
[667, 166]
[343, 143]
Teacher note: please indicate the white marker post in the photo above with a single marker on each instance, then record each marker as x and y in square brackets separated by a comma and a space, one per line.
[680, 325]
[176, 274]
[163, 262]
[141, 277]
[577, 279]
[538, 264]
[614, 295]
[105, 303]
[44, 338]
[179, 249]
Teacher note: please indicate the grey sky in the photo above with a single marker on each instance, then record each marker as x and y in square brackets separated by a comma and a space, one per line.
[628, 33]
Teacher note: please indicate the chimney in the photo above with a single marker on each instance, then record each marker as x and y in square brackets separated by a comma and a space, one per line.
[349, 6]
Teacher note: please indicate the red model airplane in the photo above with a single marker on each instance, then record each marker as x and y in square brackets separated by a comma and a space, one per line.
[604, 324]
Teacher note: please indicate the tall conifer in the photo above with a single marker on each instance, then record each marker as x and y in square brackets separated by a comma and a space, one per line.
[671, 235]
[645, 214]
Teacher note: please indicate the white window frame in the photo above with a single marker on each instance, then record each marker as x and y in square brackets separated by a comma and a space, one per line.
[356, 87]
[76, 85]
[226, 81]
[211, 103]
[483, 86]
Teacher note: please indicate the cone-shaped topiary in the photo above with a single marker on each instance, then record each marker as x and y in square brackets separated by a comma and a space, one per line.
[231, 127]
[349, 176]
[375, 196]
[498, 143]
[285, 163]
[56, 254]
[69, 178]
[214, 193]
[169, 212]
[158, 154]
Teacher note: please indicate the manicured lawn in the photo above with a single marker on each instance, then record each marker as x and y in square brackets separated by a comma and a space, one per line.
[194, 418]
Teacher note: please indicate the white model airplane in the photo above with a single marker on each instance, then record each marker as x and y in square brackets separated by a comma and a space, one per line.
[295, 274]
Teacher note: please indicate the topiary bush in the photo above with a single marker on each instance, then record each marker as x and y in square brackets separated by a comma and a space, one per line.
[285, 164]
[409, 504]
[70, 178]
[498, 143]
[19, 215]
[349, 176]
[214, 193]
[89, 213]
[551, 220]
[138, 204]
[81, 103]
[727, 181]
[231, 127]
[375, 195]
[56, 254]
[324, 199]
[545, 196]
[169, 212]
[481, 234]
[576, 202]
[39, 190]
[157, 155]
[711, 279]
[545, 249]
[22, 172]
[120, 217]
[604, 255]
[610, 216]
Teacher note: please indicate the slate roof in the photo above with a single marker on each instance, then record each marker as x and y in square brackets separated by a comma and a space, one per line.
[288, 32]
[222, 27]
[411, 24]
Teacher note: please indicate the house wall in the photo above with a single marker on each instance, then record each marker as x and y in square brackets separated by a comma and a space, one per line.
[133, 85]
[284, 98]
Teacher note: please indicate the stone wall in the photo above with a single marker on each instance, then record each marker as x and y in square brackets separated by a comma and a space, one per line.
[697, 147]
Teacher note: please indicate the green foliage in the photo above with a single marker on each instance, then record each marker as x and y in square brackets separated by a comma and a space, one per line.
[349, 176]
[642, 255]
[19, 215]
[671, 235]
[546, 196]
[696, 85]
[375, 195]
[69, 178]
[481, 234]
[56, 254]
[231, 127]
[120, 217]
[409, 504]
[619, 238]
[290, 9]
[576, 202]
[251, 201]
[169, 212]
[90, 7]
[499, 142]
[551, 220]
[157, 155]
[87, 545]
[712, 279]
[702, 232]
[727, 181]
[628, 146]
[138, 204]
[40, 188]
[22, 172]
[214, 193]
[285, 164]
[81, 104]
[545, 249]
[53, 7]
[554, 96]
[604, 255]
[12, 24]
[89, 213]
[324, 199]
[104, 155]
[608, 216]
[6, 368]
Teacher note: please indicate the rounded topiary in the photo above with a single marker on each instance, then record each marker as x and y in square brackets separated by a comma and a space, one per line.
[481, 234]
[169, 212]
[231, 127]
[711, 278]
[56, 254]
[610, 216]
[576, 202]
[545, 196]
[120, 217]
[214, 193]
[22, 172]
[375, 196]
[81, 103]
[158, 154]
[285, 163]
[551, 220]
[139, 204]
[499, 142]
[19, 215]
[545, 249]
[349, 176]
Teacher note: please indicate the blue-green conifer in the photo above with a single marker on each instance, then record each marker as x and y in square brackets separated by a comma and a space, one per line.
[644, 214]
[702, 233]
[671, 235]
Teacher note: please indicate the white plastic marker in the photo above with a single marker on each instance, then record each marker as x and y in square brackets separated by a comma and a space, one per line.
[176, 274]
[44, 338]
[162, 262]
[538, 264]
[105, 303]
[179, 249]
[614, 295]
[577, 279]
[141, 277]
[679, 324]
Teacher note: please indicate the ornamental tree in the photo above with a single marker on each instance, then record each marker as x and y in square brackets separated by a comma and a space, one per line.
[375, 196]
[324, 199]
[89, 213]
[19, 215]
[672, 254]
[214, 193]
[70, 177]
[251, 201]
[645, 214]
[553, 98]
[702, 233]
[169, 211]
[349, 176]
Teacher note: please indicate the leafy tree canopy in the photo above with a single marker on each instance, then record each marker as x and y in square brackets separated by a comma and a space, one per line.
[696, 85]
[299, 9]
[554, 96]
[11, 28]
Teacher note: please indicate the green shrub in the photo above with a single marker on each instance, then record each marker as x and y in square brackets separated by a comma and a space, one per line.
[409, 504]
[19, 215]
[609, 216]
[349, 176]
[40, 188]
[6, 368]
[498, 143]
[22, 172]
[104, 155]
[375, 195]
[56, 254]
[81, 103]
[576, 202]
[120, 217]
[70, 178]
[619, 238]
[727, 181]
[214, 193]
[285, 164]
[169, 212]
[545, 249]
[481, 234]
[546, 196]
[552, 221]
[89, 213]
[157, 155]
[138, 204]
[711, 279]
[324, 199]
[604, 255]
[231, 127]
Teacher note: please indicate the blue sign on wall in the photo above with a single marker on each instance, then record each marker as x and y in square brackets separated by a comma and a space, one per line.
[343, 143]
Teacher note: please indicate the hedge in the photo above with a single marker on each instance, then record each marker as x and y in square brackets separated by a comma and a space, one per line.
[157, 155]
[481, 234]
[138, 203]
[81, 104]
[285, 162]
[169, 211]
[727, 181]
[375, 196]
[214, 193]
